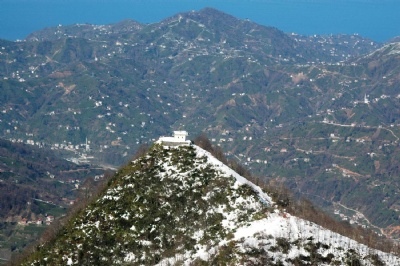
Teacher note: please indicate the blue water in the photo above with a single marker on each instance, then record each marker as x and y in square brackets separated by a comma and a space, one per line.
[375, 19]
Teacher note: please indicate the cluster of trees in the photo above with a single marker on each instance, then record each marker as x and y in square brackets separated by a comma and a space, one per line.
[14, 199]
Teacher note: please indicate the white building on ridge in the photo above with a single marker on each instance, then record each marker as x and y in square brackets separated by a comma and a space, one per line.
[179, 138]
[180, 135]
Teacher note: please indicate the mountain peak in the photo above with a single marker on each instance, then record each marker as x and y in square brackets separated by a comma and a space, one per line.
[211, 18]
[209, 11]
[180, 205]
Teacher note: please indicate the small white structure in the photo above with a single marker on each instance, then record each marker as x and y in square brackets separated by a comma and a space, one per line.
[180, 135]
[179, 138]
[366, 101]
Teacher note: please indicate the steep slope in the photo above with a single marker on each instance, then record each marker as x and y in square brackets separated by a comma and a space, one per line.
[383, 63]
[180, 205]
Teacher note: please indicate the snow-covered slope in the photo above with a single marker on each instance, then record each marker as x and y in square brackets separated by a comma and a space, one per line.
[299, 238]
[306, 241]
[181, 206]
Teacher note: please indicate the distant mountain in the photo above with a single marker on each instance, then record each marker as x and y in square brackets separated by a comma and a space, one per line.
[180, 205]
[396, 39]
[318, 113]
[86, 31]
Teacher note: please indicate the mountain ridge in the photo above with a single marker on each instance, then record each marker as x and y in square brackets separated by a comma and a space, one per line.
[138, 220]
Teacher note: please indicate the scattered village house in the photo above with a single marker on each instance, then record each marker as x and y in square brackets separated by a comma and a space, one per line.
[49, 219]
[23, 221]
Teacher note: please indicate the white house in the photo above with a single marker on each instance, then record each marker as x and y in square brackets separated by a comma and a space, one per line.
[180, 135]
[179, 138]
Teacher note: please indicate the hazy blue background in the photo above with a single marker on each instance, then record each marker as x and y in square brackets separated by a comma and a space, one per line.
[376, 19]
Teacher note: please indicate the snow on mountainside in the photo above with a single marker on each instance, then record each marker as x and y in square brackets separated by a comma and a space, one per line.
[263, 234]
[181, 206]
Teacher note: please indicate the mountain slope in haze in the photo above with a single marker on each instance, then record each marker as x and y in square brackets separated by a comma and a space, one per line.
[35, 183]
[40, 174]
[180, 205]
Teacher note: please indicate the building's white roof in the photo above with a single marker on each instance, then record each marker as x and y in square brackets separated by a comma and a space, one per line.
[169, 139]
[181, 133]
